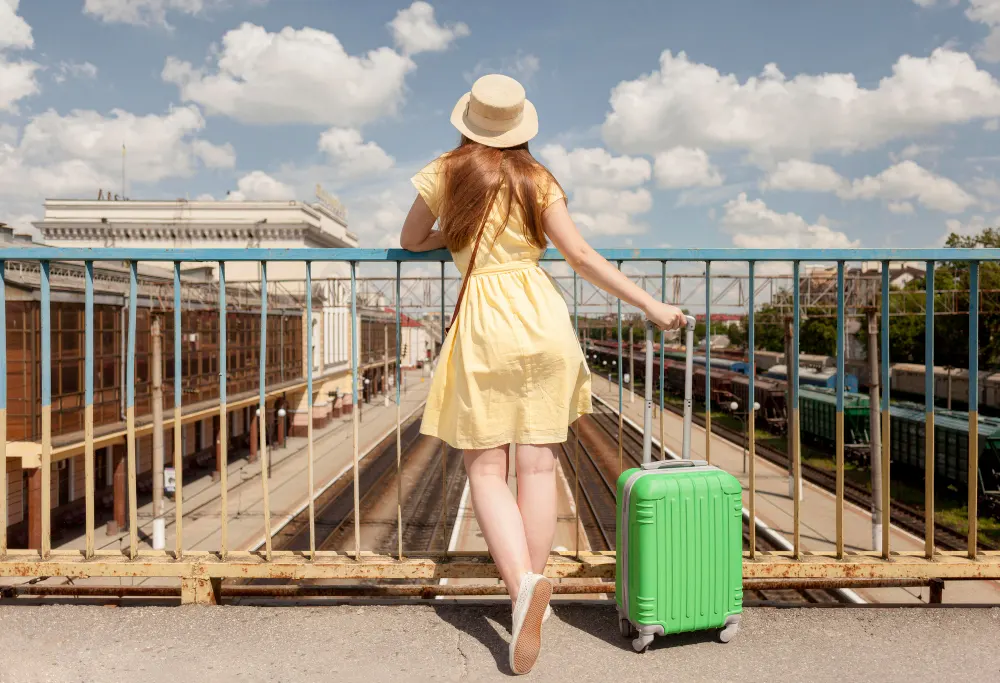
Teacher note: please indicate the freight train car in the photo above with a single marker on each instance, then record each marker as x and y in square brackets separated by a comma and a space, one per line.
[769, 394]
[951, 447]
[818, 416]
[820, 378]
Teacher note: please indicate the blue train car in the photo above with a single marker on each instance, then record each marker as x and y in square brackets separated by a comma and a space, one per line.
[729, 364]
[827, 377]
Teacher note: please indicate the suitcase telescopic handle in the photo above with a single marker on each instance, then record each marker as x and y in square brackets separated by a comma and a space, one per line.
[673, 464]
[688, 374]
[647, 417]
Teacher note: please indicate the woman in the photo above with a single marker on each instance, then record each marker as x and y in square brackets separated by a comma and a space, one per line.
[511, 370]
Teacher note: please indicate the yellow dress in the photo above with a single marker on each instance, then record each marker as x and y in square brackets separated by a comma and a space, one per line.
[511, 369]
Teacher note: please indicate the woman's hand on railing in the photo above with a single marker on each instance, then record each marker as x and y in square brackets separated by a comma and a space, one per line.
[665, 316]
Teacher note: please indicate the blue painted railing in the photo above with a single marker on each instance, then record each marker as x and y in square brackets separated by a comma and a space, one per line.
[750, 257]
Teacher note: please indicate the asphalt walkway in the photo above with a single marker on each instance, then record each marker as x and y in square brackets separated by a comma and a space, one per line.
[468, 642]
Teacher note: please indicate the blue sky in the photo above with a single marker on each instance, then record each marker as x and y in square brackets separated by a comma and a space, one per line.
[712, 124]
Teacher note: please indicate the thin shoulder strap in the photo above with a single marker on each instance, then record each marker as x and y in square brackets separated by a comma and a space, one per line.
[472, 259]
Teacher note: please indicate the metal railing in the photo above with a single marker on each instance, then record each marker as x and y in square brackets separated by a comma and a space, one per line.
[201, 571]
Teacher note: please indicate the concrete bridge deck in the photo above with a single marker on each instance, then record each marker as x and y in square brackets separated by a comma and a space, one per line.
[468, 642]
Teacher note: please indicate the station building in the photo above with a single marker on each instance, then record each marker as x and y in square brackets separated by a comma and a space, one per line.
[175, 224]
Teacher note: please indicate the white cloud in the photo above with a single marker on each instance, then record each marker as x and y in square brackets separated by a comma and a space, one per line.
[900, 207]
[415, 30]
[17, 78]
[81, 70]
[81, 152]
[350, 156]
[987, 12]
[796, 174]
[14, 30]
[970, 228]
[612, 223]
[685, 103]
[214, 156]
[912, 151]
[992, 125]
[686, 167]
[604, 200]
[260, 186]
[755, 226]
[206, 197]
[521, 67]
[150, 12]
[908, 180]
[17, 81]
[594, 166]
[294, 76]
[601, 204]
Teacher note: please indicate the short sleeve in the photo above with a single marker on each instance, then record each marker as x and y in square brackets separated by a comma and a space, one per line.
[553, 193]
[429, 182]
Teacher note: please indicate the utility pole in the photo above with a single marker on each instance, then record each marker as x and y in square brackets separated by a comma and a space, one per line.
[385, 370]
[159, 523]
[875, 430]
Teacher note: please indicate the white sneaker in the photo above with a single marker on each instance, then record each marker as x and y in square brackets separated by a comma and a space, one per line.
[529, 612]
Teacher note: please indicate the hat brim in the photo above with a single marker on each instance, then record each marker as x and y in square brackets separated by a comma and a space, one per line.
[526, 129]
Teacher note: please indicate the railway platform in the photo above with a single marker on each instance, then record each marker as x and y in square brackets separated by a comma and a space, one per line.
[775, 507]
[288, 487]
[467, 641]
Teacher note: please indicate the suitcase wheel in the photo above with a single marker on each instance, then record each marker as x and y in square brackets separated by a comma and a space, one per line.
[642, 641]
[727, 634]
[625, 628]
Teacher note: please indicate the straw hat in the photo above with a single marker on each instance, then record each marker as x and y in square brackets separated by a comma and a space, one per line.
[495, 113]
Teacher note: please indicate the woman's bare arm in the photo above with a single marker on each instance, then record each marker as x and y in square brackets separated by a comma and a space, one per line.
[418, 233]
[595, 269]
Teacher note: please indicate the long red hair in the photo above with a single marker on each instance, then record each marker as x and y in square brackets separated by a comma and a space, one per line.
[473, 176]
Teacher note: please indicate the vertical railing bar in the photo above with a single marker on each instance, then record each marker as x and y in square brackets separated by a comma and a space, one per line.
[973, 474]
[840, 410]
[663, 339]
[133, 510]
[310, 359]
[262, 420]
[88, 402]
[46, 465]
[223, 444]
[752, 415]
[178, 422]
[355, 340]
[929, 458]
[399, 427]
[796, 442]
[576, 430]
[444, 446]
[886, 435]
[708, 361]
[621, 410]
[3, 412]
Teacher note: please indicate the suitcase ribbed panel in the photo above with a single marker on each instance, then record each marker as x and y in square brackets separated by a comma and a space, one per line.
[686, 550]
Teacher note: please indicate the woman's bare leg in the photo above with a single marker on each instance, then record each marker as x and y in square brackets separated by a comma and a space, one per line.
[536, 499]
[498, 515]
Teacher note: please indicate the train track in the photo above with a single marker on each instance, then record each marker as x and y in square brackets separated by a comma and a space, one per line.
[600, 497]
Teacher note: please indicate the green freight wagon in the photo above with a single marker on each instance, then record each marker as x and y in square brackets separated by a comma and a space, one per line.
[818, 416]
[951, 445]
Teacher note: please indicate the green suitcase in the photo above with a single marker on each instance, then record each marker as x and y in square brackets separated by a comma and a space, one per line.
[679, 538]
